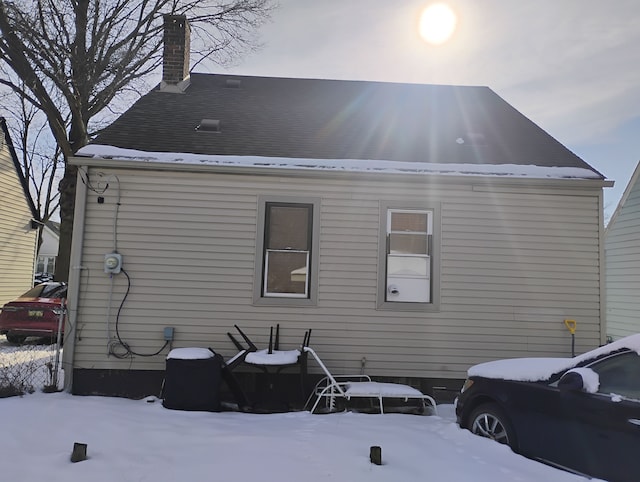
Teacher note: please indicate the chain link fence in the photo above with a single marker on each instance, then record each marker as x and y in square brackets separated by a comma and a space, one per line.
[35, 365]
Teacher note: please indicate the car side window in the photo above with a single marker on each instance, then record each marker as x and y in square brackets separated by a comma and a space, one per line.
[619, 374]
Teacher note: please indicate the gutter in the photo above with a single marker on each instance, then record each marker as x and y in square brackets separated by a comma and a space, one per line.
[480, 179]
[73, 292]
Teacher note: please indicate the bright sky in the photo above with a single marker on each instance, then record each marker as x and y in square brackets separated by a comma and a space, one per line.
[573, 67]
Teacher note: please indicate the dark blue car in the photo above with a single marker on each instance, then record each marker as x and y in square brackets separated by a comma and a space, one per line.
[580, 414]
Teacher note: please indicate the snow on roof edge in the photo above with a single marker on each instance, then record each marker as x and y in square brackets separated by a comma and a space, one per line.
[346, 165]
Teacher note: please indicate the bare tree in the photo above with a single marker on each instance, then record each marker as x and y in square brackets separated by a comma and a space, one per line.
[74, 58]
[40, 157]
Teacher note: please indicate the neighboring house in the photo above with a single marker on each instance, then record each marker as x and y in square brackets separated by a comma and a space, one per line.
[48, 252]
[18, 233]
[416, 229]
[622, 256]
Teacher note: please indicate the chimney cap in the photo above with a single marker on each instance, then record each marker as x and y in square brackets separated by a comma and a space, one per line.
[174, 17]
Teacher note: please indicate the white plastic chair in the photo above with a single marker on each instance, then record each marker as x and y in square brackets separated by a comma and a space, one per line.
[332, 387]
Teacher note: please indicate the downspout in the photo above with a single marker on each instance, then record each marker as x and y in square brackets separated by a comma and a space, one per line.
[603, 269]
[73, 293]
[35, 255]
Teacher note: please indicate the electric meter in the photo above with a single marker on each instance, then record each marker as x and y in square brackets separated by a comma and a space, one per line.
[112, 263]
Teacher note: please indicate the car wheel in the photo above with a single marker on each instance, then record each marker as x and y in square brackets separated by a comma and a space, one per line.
[15, 339]
[490, 421]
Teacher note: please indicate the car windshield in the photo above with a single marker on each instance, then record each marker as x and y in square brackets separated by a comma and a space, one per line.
[53, 290]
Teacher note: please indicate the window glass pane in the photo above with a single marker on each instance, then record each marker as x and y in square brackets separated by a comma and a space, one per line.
[416, 222]
[55, 290]
[51, 265]
[408, 243]
[33, 292]
[620, 375]
[287, 272]
[40, 268]
[288, 227]
[407, 266]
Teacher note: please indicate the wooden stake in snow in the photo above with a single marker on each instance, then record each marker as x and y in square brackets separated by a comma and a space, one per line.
[375, 454]
[79, 452]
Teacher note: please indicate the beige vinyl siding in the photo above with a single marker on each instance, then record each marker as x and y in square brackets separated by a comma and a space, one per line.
[622, 244]
[17, 239]
[513, 267]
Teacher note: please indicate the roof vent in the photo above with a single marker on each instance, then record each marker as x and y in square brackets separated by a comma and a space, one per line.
[209, 125]
[233, 83]
[472, 139]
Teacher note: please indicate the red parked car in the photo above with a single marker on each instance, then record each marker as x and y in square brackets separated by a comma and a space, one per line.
[35, 313]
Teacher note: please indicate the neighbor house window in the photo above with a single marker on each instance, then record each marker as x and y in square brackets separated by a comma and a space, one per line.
[46, 264]
[287, 252]
[407, 268]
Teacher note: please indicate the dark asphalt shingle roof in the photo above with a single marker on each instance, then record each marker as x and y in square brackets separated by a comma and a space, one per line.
[337, 119]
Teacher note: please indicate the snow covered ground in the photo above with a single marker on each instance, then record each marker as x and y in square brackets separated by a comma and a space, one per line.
[140, 440]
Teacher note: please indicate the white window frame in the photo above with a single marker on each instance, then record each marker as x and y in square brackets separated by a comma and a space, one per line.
[48, 261]
[385, 300]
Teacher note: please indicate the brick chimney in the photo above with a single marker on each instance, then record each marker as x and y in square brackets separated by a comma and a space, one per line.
[175, 68]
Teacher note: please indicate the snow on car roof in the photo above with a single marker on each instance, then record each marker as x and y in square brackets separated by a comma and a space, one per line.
[537, 369]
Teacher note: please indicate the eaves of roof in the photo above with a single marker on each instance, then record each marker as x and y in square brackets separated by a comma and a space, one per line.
[623, 199]
[16, 163]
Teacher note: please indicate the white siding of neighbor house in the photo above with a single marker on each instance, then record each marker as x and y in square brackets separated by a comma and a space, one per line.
[50, 241]
[513, 266]
[622, 252]
[17, 239]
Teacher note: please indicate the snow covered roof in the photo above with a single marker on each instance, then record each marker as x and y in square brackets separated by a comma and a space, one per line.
[537, 369]
[337, 125]
[346, 165]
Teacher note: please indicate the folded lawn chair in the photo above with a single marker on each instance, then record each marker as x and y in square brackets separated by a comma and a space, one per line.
[348, 387]
[271, 361]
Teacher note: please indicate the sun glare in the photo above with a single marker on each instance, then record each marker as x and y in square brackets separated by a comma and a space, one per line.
[437, 23]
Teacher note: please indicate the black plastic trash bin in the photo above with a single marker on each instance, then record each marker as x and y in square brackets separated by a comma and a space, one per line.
[192, 380]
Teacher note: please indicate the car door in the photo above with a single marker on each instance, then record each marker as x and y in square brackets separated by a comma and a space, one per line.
[606, 424]
[545, 432]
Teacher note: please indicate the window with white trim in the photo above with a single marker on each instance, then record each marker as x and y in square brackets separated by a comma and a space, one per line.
[46, 264]
[409, 250]
[287, 250]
